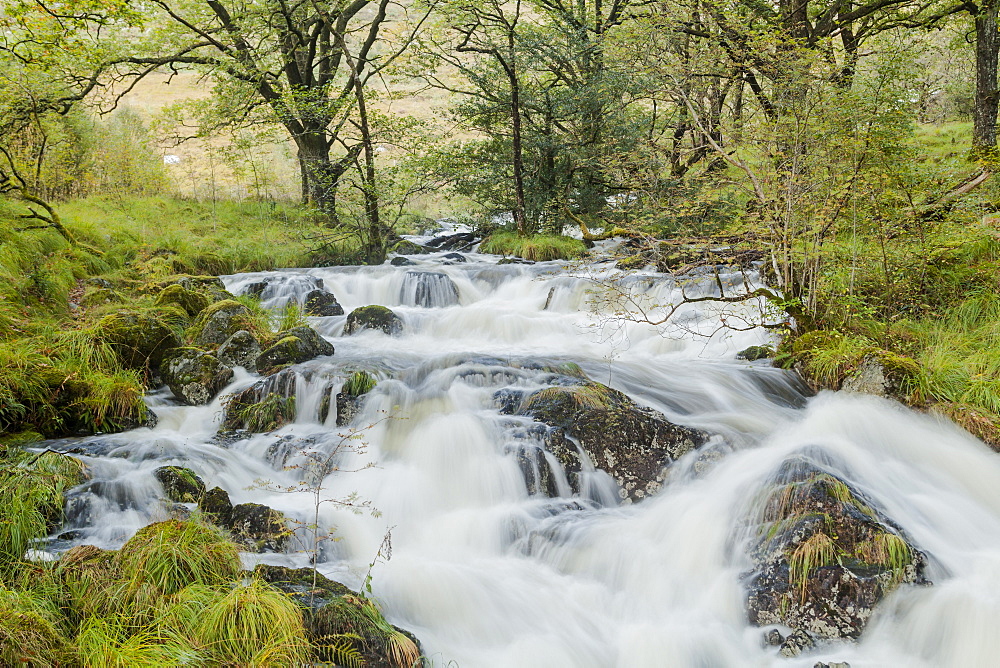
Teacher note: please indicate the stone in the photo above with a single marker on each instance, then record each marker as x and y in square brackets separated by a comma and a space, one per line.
[240, 349]
[798, 641]
[454, 257]
[210, 287]
[294, 346]
[754, 353]
[258, 527]
[322, 303]
[633, 444]
[192, 302]
[428, 289]
[216, 504]
[450, 242]
[140, 338]
[194, 376]
[180, 484]
[774, 638]
[405, 247]
[881, 373]
[823, 555]
[373, 317]
[400, 261]
[218, 322]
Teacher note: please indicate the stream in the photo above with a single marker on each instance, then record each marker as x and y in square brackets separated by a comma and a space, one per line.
[489, 571]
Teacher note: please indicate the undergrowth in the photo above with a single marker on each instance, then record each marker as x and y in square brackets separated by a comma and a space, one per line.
[538, 247]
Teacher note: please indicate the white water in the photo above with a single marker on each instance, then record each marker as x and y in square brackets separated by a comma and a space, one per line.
[488, 574]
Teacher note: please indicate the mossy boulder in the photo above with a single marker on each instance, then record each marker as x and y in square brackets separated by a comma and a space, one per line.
[254, 526]
[180, 484]
[373, 317]
[322, 303]
[140, 338]
[192, 302]
[754, 353]
[882, 373]
[99, 296]
[216, 505]
[218, 322]
[294, 346]
[632, 443]
[193, 375]
[823, 554]
[240, 349]
[335, 615]
[406, 247]
[211, 287]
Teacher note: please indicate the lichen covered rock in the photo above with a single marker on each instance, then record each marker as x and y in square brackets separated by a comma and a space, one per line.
[373, 317]
[258, 527]
[294, 346]
[824, 556]
[194, 376]
[218, 322]
[240, 349]
[140, 338]
[632, 443]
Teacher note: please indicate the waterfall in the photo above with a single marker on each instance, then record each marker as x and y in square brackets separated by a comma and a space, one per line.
[499, 556]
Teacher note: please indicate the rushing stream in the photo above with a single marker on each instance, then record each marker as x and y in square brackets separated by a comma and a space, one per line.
[489, 572]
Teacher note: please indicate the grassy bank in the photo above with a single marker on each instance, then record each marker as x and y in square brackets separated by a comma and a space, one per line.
[536, 247]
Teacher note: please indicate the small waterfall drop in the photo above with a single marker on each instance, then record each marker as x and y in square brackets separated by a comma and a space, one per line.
[497, 559]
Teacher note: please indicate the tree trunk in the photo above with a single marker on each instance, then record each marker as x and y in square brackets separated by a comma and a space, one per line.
[517, 149]
[320, 174]
[984, 113]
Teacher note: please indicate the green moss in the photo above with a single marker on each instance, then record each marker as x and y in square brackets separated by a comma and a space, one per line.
[139, 337]
[192, 302]
[373, 317]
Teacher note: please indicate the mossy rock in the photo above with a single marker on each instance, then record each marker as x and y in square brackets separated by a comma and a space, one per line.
[406, 247]
[373, 317]
[322, 303]
[216, 505]
[883, 373]
[632, 443]
[824, 556]
[218, 322]
[754, 353]
[816, 339]
[100, 296]
[192, 302]
[140, 338]
[633, 262]
[294, 346]
[193, 375]
[240, 349]
[258, 527]
[210, 286]
[335, 615]
[180, 484]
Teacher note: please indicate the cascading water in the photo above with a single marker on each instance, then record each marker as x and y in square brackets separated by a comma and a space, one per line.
[491, 567]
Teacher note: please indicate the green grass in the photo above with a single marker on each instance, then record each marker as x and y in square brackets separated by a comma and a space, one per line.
[359, 382]
[538, 247]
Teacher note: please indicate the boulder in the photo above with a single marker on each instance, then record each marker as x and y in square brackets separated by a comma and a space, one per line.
[240, 349]
[218, 322]
[400, 261]
[180, 484]
[454, 257]
[428, 289]
[373, 317]
[823, 555]
[210, 287]
[216, 505]
[632, 443]
[192, 302]
[404, 247]
[294, 346]
[881, 373]
[193, 375]
[336, 616]
[140, 338]
[449, 242]
[754, 353]
[258, 527]
[322, 303]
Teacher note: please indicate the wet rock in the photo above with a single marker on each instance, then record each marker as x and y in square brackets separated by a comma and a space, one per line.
[322, 303]
[331, 611]
[180, 484]
[240, 349]
[194, 376]
[881, 373]
[192, 302]
[514, 260]
[823, 555]
[631, 443]
[373, 317]
[405, 247]
[401, 261]
[218, 322]
[210, 287]
[140, 338]
[754, 353]
[832, 664]
[798, 641]
[454, 257]
[216, 504]
[255, 289]
[272, 286]
[774, 638]
[453, 242]
[258, 527]
[294, 346]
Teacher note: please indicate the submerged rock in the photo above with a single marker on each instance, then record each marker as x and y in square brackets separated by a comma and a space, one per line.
[180, 484]
[335, 616]
[428, 289]
[194, 376]
[632, 443]
[373, 317]
[823, 556]
[294, 346]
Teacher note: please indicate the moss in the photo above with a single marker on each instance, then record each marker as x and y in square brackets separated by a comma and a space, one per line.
[139, 337]
[192, 302]
[633, 262]
[373, 317]
[219, 321]
[20, 439]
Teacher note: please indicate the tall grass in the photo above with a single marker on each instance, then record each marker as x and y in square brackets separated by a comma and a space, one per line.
[537, 247]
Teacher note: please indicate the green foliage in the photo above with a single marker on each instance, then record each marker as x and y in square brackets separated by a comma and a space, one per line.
[292, 316]
[172, 554]
[348, 617]
[538, 248]
[268, 414]
[359, 382]
[251, 623]
[29, 632]
[105, 643]
[583, 397]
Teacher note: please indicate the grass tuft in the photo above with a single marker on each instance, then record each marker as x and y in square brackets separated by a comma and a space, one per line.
[538, 248]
